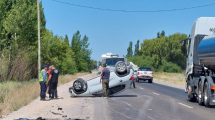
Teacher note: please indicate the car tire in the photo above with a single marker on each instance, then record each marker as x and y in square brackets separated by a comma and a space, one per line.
[206, 95]
[78, 84]
[120, 67]
[150, 81]
[200, 96]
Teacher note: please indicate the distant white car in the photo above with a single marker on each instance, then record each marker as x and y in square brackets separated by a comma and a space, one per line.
[145, 73]
[121, 75]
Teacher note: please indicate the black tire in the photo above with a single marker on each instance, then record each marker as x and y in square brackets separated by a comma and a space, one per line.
[191, 96]
[120, 67]
[78, 84]
[150, 81]
[200, 96]
[206, 95]
[186, 87]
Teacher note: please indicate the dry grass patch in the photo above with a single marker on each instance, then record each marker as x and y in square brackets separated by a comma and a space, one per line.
[176, 78]
[14, 95]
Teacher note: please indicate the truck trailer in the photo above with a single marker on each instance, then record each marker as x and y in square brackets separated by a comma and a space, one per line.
[200, 62]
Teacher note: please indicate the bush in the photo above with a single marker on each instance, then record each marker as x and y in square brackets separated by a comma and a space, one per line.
[170, 67]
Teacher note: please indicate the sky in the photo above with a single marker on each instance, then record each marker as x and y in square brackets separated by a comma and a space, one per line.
[111, 32]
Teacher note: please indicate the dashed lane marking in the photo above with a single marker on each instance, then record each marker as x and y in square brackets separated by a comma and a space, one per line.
[155, 93]
[141, 88]
[185, 105]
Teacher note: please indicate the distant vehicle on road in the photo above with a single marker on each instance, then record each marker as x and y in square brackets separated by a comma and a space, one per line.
[145, 73]
[120, 78]
[110, 60]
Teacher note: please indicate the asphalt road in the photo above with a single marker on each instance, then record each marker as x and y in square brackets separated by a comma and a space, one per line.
[150, 102]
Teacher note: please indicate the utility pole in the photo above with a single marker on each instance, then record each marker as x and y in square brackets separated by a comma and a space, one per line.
[38, 12]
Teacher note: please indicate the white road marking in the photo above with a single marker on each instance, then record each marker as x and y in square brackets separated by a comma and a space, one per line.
[155, 93]
[149, 109]
[150, 118]
[141, 88]
[185, 105]
[122, 102]
[118, 112]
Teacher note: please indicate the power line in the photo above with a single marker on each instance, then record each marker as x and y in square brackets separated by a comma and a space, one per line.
[106, 9]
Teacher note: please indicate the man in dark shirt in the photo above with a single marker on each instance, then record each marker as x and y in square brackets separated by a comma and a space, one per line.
[53, 79]
[105, 77]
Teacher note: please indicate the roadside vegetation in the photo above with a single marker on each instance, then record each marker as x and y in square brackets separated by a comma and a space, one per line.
[19, 44]
[162, 54]
[19, 53]
[176, 78]
[14, 95]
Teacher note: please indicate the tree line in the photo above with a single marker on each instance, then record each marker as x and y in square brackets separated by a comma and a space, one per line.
[162, 53]
[19, 44]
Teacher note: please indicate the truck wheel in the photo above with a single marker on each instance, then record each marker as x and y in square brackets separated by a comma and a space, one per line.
[78, 84]
[186, 87]
[200, 97]
[206, 95]
[191, 96]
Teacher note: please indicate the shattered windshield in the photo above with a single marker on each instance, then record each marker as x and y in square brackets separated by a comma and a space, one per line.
[112, 61]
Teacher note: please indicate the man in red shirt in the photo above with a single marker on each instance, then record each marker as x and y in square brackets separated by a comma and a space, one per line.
[49, 91]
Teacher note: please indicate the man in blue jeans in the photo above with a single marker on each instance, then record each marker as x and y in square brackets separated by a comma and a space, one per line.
[105, 77]
[43, 80]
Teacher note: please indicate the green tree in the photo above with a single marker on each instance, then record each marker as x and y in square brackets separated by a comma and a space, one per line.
[129, 50]
[158, 35]
[162, 33]
[66, 40]
[136, 51]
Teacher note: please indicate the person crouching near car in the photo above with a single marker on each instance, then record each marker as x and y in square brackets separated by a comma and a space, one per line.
[53, 79]
[43, 80]
[105, 77]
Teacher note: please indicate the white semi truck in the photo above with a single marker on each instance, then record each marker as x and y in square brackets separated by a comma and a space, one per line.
[200, 65]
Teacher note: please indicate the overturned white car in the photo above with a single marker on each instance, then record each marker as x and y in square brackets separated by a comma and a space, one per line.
[121, 74]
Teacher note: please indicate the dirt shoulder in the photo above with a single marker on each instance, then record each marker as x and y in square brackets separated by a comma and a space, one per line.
[80, 108]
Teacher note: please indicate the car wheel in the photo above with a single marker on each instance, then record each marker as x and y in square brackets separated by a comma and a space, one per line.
[206, 95]
[120, 67]
[150, 81]
[78, 84]
[200, 96]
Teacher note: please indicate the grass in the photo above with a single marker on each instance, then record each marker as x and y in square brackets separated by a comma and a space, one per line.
[176, 78]
[14, 95]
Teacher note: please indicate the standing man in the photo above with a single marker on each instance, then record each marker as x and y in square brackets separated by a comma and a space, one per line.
[49, 91]
[105, 77]
[133, 81]
[53, 79]
[43, 80]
